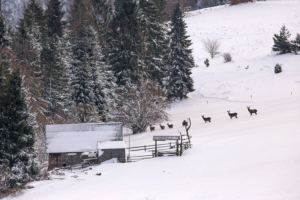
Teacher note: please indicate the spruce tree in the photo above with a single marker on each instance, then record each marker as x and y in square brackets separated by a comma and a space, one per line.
[55, 73]
[296, 43]
[160, 5]
[54, 15]
[281, 42]
[153, 32]
[54, 59]
[29, 38]
[4, 39]
[179, 59]
[17, 134]
[125, 44]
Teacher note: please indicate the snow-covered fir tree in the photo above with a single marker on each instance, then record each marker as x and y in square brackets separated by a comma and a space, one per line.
[179, 59]
[296, 43]
[17, 135]
[125, 44]
[103, 81]
[281, 42]
[4, 38]
[28, 44]
[153, 32]
[54, 15]
[4, 69]
[54, 60]
[90, 74]
[55, 73]
[160, 5]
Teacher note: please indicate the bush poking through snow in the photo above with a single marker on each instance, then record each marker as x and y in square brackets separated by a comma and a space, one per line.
[140, 105]
[211, 46]
[206, 62]
[227, 57]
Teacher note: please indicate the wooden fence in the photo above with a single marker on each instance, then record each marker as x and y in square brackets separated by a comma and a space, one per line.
[165, 149]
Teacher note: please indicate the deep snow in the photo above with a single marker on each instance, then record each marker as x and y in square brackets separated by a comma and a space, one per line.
[249, 158]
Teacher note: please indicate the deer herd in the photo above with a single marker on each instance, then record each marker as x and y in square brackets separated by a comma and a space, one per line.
[206, 119]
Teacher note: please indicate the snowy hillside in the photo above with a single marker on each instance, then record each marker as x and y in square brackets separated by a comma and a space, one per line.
[246, 158]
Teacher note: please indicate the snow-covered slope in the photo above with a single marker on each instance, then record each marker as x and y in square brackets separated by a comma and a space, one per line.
[249, 158]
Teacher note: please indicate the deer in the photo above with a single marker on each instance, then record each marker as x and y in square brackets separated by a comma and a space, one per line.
[252, 110]
[170, 125]
[206, 119]
[152, 128]
[162, 127]
[231, 115]
[184, 123]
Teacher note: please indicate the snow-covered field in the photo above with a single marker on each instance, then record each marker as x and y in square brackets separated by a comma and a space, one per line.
[249, 158]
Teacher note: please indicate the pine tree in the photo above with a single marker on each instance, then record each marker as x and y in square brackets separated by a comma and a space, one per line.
[296, 43]
[160, 5]
[125, 44]
[179, 59]
[4, 39]
[281, 42]
[55, 70]
[29, 38]
[54, 60]
[17, 134]
[54, 15]
[90, 73]
[155, 43]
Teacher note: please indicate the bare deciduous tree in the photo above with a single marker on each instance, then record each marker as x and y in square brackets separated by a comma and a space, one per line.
[141, 105]
[211, 46]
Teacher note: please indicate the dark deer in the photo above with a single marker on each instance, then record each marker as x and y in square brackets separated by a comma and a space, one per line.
[162, 127]
[152, 128]
[184, 123]
[206, 119]
[252, 110]
[231, 115]
[170, 125]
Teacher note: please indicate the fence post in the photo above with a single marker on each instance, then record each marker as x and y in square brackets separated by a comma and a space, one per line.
[155, 148]
[177, 147]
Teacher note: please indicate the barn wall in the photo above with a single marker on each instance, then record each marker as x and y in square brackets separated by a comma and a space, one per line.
[112, 153]
[61, 159]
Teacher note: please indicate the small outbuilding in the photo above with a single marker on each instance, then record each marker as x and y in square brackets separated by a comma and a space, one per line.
[69, 144]
[111, 149]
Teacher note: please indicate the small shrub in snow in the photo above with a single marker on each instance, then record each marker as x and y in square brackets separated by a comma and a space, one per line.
[206, 62]
[211, 46]
[278, 68]
[227, 57]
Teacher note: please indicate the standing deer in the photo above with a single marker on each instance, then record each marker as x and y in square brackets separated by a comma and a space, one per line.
[152, 128]
[206, 119]
[184, 123]
[170, 125]
[162, 127]
[252, 110]
[231, 115]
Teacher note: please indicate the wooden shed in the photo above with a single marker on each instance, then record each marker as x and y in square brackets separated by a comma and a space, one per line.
[69, 144]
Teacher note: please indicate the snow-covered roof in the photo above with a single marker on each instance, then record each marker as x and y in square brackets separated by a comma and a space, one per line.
[67, 138]
[111, 145]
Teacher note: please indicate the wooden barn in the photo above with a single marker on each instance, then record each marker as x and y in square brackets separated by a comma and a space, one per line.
[69, 144]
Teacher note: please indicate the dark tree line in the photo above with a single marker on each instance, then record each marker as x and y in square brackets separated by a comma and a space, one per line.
[74, 66]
